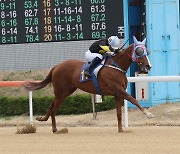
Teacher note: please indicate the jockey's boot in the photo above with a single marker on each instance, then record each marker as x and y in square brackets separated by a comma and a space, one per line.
[94, 62]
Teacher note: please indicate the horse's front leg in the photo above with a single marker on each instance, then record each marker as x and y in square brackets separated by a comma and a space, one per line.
[46, 117]
[119, 113]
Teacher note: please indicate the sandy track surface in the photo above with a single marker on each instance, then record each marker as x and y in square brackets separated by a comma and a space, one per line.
[91, 140]
[160, 135]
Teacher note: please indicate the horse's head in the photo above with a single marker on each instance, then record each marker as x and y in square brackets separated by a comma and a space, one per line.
[136, 52]
[140, 55]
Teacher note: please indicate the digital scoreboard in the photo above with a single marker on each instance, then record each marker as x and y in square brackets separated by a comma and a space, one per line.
[28, 21]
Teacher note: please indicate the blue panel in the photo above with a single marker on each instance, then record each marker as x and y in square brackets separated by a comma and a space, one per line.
[173, 69]
[172, 47]
[171, 24]
[157, 27]
[163, 24]
[159, 69]
[158, 56]
[163, 39]
[135, 15]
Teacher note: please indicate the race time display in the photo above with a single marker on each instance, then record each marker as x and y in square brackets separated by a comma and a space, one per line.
[28, 21]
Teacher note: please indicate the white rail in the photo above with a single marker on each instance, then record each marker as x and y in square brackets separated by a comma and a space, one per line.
[147, 79]
[154, 79]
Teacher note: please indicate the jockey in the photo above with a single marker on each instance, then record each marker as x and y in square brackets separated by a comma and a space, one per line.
[98, 49]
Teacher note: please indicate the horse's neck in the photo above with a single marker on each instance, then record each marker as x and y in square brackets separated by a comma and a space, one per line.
[123, 59]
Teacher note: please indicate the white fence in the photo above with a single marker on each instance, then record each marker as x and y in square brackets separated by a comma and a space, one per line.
[147, 79]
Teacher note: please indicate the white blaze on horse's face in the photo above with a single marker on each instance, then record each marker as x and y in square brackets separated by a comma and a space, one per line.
[139, 55]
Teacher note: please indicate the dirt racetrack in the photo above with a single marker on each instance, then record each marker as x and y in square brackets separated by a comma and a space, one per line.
[160, 135]
[92, 140]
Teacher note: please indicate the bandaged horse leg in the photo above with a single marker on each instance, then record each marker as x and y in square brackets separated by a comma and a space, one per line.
[148, 114]
[119, 113]
[145, 111]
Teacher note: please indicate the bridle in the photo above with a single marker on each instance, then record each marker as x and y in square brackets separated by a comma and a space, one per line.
[134, 56]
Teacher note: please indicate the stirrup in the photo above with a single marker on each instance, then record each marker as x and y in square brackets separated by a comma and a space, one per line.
[87, 73]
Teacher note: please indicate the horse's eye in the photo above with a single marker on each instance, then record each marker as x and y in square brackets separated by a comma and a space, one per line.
[139, 51]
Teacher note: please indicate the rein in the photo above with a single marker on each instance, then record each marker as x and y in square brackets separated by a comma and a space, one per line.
[135, 60]
[114, 65]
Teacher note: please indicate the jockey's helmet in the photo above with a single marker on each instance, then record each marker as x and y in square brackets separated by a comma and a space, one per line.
[114, 43]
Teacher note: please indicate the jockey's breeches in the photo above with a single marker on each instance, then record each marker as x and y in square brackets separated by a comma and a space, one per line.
[89, 56]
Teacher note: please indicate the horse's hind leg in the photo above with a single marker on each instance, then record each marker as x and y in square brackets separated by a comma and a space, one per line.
[46, 117]
[51, 111]
[57, 103]
[54, 106]
[119, 102]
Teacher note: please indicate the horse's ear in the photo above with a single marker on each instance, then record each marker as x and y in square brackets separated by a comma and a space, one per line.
[144, 41]
[135, 40]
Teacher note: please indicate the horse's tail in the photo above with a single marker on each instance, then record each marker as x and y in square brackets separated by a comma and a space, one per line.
[35, 85]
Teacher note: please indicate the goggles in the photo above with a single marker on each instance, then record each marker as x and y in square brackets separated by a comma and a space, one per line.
[139, 51]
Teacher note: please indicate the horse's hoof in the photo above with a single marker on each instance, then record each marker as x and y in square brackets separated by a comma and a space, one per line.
[148, 114]
[62, 131]
[120, 131]
[39, 118]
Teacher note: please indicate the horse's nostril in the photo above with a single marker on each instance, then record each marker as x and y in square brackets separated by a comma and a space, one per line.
[148, 67]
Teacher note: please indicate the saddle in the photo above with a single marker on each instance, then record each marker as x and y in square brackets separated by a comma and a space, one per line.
[94, 74]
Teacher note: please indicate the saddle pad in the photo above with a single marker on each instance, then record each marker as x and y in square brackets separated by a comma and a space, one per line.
[95, 71]
[93, 77]
[84, 78]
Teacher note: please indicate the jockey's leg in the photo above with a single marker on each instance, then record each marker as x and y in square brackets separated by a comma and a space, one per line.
[94, 62]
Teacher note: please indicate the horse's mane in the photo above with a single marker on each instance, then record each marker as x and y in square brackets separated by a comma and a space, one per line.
[129, 48]
[122, 58]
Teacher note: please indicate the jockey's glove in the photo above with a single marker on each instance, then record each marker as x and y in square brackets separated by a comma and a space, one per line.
[116, 51]
[109, 53]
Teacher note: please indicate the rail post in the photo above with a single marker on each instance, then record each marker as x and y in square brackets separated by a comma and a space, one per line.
[30, 108]
[18, 84]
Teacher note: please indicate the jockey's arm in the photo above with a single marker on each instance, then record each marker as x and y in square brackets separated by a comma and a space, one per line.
[104, 49]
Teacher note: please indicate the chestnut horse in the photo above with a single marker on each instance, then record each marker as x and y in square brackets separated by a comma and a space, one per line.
[65, 78]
